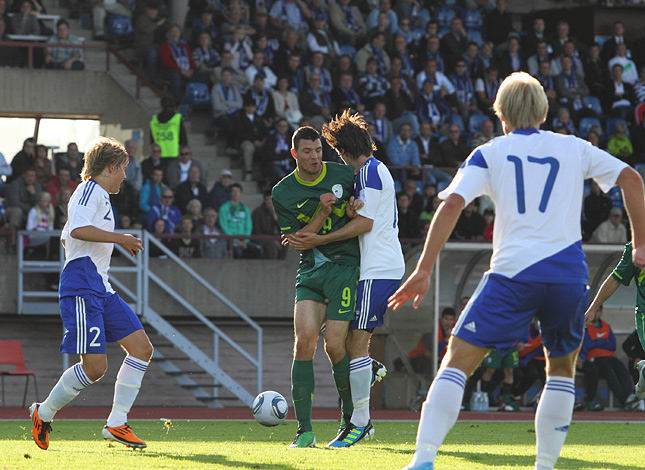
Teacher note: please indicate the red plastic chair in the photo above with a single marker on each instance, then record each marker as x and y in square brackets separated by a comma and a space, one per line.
[12, 363]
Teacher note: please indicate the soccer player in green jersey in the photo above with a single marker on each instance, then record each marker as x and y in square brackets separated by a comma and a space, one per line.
[623, 273]
[319, 194]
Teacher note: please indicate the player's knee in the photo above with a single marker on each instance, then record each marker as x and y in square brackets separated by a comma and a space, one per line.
[335, 349]
[304, 346]
[95, 369]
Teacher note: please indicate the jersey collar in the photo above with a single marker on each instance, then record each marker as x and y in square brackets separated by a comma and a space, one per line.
[323, 173]
[529, 131]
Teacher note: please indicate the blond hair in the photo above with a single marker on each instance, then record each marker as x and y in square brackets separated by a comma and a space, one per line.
[103, 152]
[49, 210]
[521, 102]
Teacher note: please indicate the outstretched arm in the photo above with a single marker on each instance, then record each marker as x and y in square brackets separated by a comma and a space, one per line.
[441, 227]
[606, 290]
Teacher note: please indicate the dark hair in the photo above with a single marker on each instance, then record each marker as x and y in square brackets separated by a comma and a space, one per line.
[448, 311]
[238, 186]
[348, 135]
[62, 22]
[167, 102]
[304, 133]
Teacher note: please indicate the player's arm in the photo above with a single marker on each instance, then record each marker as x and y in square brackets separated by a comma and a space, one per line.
[89, 233]
[607, 289]
[304, 241]
[634, 196]
[443, 223]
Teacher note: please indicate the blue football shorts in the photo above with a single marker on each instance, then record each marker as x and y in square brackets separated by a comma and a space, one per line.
[91, 321]
[501, 309]
[371, 302]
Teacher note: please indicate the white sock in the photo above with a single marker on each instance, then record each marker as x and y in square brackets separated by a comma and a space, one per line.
[439, 413]
[552, 420]
[126, 389]
[68, 387]
[360, 378]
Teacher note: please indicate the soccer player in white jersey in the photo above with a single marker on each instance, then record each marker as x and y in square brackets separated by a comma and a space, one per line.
[535, 179]
[382, 263]
[93, 314]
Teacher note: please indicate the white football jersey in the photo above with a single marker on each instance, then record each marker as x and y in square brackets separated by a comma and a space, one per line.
[87, 263]
[535, 178]
[381, 254]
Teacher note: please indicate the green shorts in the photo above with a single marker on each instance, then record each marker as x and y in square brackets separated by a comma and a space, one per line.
[640, 325]
[509, 361]
[332, 284]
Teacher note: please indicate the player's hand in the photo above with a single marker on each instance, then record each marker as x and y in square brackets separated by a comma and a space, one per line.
[590, 316]
[415, 286]
[353, 206]
[638, 256]
[284, 240]
[304, 241]
[327, 200]
[131, 244]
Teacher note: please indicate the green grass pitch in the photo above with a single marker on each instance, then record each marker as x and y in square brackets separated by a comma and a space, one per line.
[247, 445]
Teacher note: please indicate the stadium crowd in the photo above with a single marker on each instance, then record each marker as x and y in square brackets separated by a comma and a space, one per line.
[423, 73]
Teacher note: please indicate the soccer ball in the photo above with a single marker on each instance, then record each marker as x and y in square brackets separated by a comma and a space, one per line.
[270, 408]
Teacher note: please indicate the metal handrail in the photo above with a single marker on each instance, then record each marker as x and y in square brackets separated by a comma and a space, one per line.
[109, 50]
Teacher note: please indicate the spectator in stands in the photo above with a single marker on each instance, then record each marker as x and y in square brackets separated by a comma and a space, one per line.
[375, 48]
[596, 210]
[290, 15]
[153, 162]
[250, 135]
[261, 96]
[5, 170]
[241, 48]
[464, 91]
[408, 220]
[384, 7]
[405, 27]
[343, 65]
[288, 48]
[619, 144]
[630, 73]
[498, 23]
[22, 195]
[470, 225]
[453, 150]
[205, 57]
[212, 247]
[431, 52]
[532, 40]
[610, 46]
[372, 85]
[548, 83]
[454, 43]
[235, 219]
[570, 86]
[596, 75]
[165, 210]
[22, 160]
[347, 21]
[427, 106]
[24, 22]
[276, 153]
[295, 73]
[443, 87]
[421, 356]
[204, 24]
[286, 104]
[382, 124]
[178, 169]
[125, 202]
[60, 207]
[187, 246]
[167, 129]
[61, 180]
[411, 188]
[345, 96]
[511, 59]
[563, 120]
[265, 222]
[315, 102]
[226, 99]
[558, 42]
[177, 61]
[541, 55]
[401, 52]
[194, 209]
[382, 28]
[151, 192]
[146, 27]
[40, 219]
[133, 173]
[73, 160]
[569, 51]
[320, 40]
[532, 362]
[66, 58]
[237, 77]
[257, 66]
[7, 54]
[425, 143]
[619, 97]
[470, 57]
[400, 106]
[611, 230]
[381, 151]
[42, 165]
[221, 190]
[597, 359]
[486, 134]
[639, 87]
[100, 10]
[486, 90]
[403, 151]
[4, 15]
[191, 188]
[158, 228]
[317, 67]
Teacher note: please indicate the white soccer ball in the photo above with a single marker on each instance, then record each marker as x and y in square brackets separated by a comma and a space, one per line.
[270, 408]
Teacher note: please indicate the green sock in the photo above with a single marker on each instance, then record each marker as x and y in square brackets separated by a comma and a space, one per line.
[340, 371]
[302, 391]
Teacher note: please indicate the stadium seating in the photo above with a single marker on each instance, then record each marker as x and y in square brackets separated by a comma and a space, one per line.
[593, 103]
[444, 16]
[611, 125]
[587, 123]
[197, 93]
[475, 122]
[12, 364]
[471, 19]
[119, 26]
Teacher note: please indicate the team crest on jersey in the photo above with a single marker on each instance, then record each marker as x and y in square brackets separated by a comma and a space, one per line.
[337, 190]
